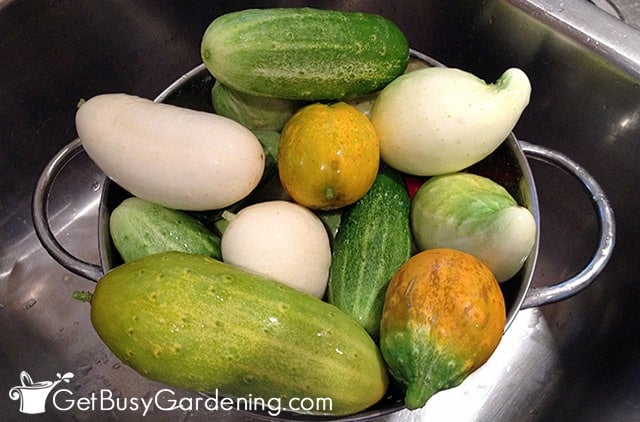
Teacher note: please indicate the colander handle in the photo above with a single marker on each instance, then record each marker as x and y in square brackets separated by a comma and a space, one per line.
[606, 225]
[39, 214]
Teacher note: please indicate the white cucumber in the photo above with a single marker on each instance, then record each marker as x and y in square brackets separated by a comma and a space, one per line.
[172, 156]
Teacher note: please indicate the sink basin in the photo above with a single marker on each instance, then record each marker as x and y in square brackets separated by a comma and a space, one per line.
[575, 358]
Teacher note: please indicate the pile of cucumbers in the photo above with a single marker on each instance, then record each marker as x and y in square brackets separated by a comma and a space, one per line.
[177, 314]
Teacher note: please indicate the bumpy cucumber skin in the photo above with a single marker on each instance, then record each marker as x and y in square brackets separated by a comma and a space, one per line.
[193, 322]
[444, 315]
[139, 228]
[373, 241]
[304, 53]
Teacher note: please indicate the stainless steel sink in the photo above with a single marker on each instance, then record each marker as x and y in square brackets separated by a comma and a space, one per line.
[574, 359]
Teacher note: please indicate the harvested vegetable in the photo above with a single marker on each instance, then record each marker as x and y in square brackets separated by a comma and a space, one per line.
[304, 53]
[328, 155]
[283, 241]
[192, 322]
[254, 112]
[172, 156]
[441, 120]
[373, 241]
[474, 214]
[139, 228]
[443, 317]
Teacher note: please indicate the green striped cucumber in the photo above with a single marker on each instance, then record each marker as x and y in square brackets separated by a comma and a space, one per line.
[139, 228]
[304, 53]
[373, 241]
[193, 322]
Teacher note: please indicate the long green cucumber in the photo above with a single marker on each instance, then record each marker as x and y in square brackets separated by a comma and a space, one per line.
[304, 53]
[373, 241]
[193, 322]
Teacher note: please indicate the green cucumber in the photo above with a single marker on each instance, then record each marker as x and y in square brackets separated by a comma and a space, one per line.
[196, 323]
[254, 112]
[270, 140]
[304, 53]
[373, 241]
[139, 228]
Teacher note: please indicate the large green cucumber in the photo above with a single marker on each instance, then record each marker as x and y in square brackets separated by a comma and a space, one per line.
[139, 228]
[193, 322]
[304, 53]
[373, 241]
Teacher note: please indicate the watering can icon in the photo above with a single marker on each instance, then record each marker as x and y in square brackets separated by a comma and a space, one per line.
[33, 395]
